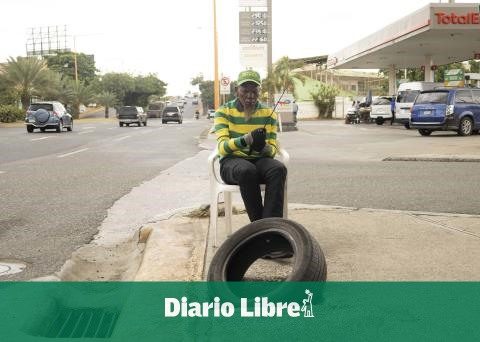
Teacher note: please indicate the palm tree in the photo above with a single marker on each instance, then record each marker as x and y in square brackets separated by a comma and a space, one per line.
[27, 76]
[282, 76]
[107, 99]
[81, 94]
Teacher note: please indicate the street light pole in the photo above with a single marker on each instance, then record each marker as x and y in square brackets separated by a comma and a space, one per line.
[216, 86]
[75, 60]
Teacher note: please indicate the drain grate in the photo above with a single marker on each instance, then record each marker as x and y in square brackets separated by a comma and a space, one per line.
[82, 322]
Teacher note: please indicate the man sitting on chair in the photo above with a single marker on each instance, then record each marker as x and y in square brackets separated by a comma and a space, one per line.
[246, 134]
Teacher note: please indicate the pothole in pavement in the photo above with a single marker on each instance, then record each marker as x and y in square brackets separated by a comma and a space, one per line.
[7, 267]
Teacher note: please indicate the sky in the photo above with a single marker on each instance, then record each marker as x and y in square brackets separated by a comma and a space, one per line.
[174, 39]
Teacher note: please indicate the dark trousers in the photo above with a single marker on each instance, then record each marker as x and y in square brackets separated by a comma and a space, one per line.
[249, 174]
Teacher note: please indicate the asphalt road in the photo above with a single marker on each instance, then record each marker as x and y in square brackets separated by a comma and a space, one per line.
[55, 189]
[336, 164]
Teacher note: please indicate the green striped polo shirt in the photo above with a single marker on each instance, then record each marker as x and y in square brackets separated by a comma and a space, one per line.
[231, 125]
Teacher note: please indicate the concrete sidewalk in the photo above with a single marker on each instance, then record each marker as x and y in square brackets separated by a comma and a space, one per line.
[359, 245]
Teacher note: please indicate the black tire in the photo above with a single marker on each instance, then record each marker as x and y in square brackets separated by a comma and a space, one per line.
[407, 125]
[180, 122]
[465, 127]
[424, 132]
[379, 120]
[259, 238]
[145, 123]
[120, 124]
[30, 128]
[139, 124]
[164, 122]
[70, 128]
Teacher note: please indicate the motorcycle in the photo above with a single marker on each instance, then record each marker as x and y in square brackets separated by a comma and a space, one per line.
[353, 116]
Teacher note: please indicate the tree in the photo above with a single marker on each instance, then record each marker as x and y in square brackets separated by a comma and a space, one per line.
[324, 98]
[107, 99]
[145, 86]
[64, 63]
[81, 94]
[282, 76]
[119, 84]
[26, 76]
[474, 65]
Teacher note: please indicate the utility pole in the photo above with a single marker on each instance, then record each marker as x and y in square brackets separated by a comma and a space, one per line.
[216, 85]
[75, 60]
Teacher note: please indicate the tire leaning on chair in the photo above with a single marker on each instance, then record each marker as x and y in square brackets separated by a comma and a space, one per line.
[259, 238]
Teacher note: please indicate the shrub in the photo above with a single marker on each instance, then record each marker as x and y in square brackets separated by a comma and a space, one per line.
[11, 113]
[324, 99]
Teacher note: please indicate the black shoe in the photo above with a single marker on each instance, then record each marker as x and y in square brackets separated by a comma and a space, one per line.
[278, 255]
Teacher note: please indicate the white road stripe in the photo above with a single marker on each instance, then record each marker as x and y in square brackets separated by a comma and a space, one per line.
[2, 172]
[123, 138]
[42, 138]
[89, 127]
[74, 152]
[86, 132]
[112, 128]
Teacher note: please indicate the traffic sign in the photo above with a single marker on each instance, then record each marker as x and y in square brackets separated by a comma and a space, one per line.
[225, 85]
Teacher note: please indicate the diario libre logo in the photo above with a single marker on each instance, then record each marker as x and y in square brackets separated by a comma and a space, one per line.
[260, 307]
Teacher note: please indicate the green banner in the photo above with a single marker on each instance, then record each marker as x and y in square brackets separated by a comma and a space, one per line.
[154, 311]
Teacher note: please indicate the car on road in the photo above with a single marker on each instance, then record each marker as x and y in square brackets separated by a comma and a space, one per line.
[48, 115]
[155, 109]
[452, 109]
[172, 113]
[131, 115]
[211, 113]
[195, 101]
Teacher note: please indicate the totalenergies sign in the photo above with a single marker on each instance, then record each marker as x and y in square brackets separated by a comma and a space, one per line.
[471, 18]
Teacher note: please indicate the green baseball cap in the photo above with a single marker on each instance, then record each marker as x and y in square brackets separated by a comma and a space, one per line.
[249, 76]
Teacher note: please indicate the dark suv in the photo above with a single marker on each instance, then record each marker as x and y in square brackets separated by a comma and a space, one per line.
[455, 109]
[172, 113]
[131, 115]
[48, 114]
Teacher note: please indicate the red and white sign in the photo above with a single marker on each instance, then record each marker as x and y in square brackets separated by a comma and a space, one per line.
[225, 85]
[471, 18]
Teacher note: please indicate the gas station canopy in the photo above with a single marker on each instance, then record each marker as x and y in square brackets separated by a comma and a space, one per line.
[437, 34]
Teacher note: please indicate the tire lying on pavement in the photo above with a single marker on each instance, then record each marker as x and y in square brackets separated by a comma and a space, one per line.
[262, 237]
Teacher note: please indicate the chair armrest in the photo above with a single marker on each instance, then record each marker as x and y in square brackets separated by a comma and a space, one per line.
[211, 165]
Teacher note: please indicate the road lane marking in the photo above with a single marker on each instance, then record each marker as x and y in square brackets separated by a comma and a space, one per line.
[42, 138]
[89, 127]
[123, 138]
[86, 132]
[3, 172]
[74, 152]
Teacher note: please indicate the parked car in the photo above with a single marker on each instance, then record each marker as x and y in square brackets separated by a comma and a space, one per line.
[381, 109]
[131, 115]
[454, 109]
[407, 92]
[211, 113]
[195, 101]
[172, 113]
[155, 110]
[48, 115]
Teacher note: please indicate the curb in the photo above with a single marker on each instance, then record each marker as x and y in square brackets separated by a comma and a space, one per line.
[436, 158]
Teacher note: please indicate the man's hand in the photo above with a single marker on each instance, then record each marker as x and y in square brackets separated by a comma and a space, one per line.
[259, 135]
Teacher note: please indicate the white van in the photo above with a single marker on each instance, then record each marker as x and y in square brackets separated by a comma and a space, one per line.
[406, 95]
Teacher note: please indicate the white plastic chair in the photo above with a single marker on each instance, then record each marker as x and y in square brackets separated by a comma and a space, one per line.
[217, 186]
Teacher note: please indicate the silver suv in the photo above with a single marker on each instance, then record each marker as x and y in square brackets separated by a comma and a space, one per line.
[48, 115]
